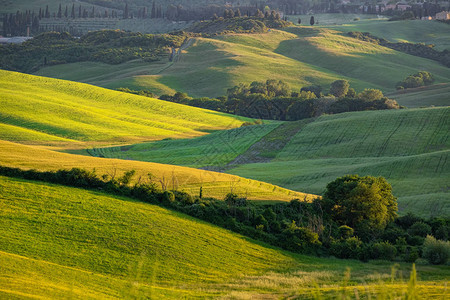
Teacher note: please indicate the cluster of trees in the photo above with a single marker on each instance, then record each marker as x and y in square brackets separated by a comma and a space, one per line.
[416, 80]
[419, 49]
[356, 218]
[20, 24]
[108, 46]
[274, 100]
[219, 25]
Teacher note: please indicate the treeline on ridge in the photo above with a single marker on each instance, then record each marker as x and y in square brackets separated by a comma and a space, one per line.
[273, 100]
[338, 224]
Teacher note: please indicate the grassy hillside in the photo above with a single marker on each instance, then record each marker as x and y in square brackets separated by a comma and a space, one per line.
[435, 95]
[413, 31]
[214, 184]
[66, 242]
[49, 111]
[408, 147]
[299, 55]
[215, 149]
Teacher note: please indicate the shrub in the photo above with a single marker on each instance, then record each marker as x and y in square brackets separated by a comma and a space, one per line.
[436, 251]
[383, 250]
[419, 229]
[349, 248]
[345, 231]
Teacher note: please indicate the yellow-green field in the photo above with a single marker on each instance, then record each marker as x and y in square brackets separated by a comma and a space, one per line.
[409, 147]
[174, 177]
[61, 242]
[48, 111]
[300, 55]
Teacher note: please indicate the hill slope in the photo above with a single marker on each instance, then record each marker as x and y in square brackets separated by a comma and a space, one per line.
[60, 242]
[50, 111]
[174, 177]
[409, 147]
[434, 95]
[298, 55]
[90, 239]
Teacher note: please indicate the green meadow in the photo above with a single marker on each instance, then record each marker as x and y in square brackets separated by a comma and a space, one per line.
[60, 242]
[215, 149]
[409, 147]
[434, 95]
[48, 111]
[300, 56]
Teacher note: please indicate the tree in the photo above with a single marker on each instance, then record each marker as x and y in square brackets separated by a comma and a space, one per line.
[339, 88]
[370, 95]
[72, 12]
[59, 12]
[363, 203]
[153, 12]
[299, 21]
[125, 11]
[311, 21]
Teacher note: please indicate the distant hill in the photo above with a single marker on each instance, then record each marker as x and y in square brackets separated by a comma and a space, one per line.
[300, 56]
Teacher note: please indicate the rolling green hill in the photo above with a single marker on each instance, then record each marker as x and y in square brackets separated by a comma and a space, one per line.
[298, 55]
[413, 31]
[190, 180]
[409, 147]
[49, 111]
[60, 242]
[435, 95]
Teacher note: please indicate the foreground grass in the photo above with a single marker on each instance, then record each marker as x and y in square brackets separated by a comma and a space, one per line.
[50, 111]
[66, 242]
[190, 180]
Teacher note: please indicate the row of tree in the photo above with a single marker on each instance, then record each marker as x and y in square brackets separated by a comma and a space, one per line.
[356, 218]
[274, 100]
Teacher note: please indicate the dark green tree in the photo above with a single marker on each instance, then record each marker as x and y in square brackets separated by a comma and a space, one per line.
[363, 203]
[311, 21]
[339, 88]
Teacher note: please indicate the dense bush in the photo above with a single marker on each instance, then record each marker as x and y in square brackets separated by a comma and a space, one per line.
[383, 250]
[416, 80]
[435, 251]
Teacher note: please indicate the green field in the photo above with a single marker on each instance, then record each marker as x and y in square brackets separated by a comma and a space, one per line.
[190, 180]
[301, 56]
[53, 112]
[215, 149]
[435, 95]
[412, 31]
[66, 242]
[409, 147]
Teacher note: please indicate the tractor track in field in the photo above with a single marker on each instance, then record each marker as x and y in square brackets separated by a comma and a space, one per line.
[266, 149]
